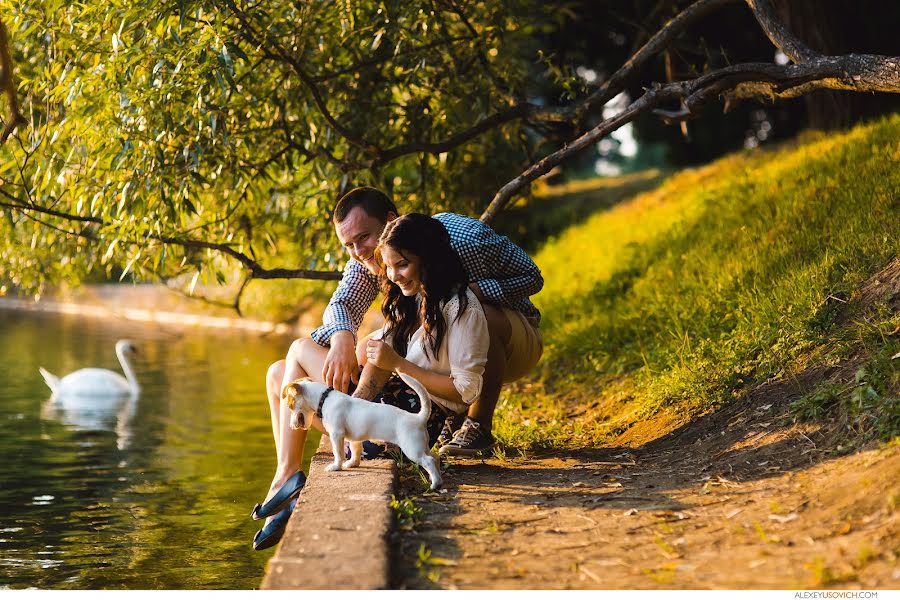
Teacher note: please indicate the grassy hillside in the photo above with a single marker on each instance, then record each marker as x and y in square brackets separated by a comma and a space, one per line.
[665, 306]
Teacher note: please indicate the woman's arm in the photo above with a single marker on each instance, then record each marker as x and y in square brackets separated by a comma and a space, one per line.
[467, 347]
[371, 380]
[383, 356]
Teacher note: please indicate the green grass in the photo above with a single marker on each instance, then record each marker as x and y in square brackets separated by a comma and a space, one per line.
[719, 279]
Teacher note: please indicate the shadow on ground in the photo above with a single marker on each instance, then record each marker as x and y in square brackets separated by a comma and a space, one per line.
[744, 481]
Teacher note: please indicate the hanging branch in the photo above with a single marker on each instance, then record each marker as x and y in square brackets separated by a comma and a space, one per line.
[856, 72]
[573, 112]
[254, 269]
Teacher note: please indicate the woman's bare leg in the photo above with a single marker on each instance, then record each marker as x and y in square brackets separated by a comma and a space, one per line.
[274, 377]
[304, 359]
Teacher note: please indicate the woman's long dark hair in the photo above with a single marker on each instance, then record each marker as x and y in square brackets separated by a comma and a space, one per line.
[442, 273]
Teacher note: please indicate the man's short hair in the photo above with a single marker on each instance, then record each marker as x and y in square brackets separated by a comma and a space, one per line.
[375, 202]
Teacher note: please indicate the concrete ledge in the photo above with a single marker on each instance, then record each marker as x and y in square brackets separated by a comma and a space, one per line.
[337, 536]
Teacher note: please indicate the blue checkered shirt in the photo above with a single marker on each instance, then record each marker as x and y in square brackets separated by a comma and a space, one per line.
[503, 271]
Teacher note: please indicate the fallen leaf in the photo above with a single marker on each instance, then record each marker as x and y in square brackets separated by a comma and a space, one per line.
[783, 518]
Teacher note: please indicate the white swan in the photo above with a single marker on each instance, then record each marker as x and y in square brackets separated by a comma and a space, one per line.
[97, 382]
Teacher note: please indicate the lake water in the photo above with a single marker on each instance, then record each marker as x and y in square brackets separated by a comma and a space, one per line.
[145, 495]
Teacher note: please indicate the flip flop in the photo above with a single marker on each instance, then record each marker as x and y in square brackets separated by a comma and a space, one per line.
[288, 492]
[272, 533]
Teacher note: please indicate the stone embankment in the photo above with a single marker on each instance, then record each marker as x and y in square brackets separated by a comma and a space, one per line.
[337, 537]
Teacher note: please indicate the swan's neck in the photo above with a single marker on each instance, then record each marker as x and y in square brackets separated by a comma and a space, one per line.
[129, 372]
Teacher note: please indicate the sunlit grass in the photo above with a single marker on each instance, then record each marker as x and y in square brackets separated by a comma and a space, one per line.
[720, 278]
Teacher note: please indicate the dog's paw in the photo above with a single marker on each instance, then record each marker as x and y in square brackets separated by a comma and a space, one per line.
[349, 464]
[333, 467]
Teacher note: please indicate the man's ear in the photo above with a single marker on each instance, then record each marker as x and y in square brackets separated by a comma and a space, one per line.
[391, 216]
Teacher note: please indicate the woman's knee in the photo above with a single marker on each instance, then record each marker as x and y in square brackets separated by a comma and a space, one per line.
[301, 348]
[274, 377]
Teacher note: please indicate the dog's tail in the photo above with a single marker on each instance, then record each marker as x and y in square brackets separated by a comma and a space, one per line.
[422, 393]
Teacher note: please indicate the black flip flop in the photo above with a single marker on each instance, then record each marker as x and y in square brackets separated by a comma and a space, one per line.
[288, 492]
[272, 533]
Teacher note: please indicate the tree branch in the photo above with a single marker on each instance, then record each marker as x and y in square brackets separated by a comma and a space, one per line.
[255, 270]
[780, 36]
[276, 52]
[853, 72]
[543, 166]
[656, 44]
[573, 112]
[859, 72]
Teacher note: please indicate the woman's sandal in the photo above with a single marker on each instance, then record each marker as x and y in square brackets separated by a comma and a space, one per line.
[271, 534]
[282, 498]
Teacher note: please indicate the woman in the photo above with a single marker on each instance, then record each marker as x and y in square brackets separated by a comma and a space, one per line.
[435, 327]
[435, 330]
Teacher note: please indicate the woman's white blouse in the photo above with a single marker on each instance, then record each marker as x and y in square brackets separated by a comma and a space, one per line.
[463, 351]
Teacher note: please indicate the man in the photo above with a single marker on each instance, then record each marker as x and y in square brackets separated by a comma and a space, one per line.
[502, 275]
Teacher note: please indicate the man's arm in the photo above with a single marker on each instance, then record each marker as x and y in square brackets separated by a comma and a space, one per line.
[342, 318]
[349, 303]
[503, 272]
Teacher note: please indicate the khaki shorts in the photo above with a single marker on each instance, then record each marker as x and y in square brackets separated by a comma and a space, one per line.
[524, 348]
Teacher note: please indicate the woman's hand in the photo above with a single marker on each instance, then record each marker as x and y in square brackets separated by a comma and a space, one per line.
[383, 356]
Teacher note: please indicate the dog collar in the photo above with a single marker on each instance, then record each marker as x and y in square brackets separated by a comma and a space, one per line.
[322, 401]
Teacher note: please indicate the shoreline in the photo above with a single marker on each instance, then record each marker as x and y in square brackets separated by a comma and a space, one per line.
[147, 304]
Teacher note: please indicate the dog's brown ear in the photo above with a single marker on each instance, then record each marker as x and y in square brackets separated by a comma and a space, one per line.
[290, 391]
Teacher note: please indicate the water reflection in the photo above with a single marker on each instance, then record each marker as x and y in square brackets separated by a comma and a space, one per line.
[133, 493]
[94, 413]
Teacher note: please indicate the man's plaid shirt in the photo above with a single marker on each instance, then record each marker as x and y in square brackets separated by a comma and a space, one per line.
[502, 270]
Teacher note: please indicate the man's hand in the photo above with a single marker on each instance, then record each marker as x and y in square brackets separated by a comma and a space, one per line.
[383, 356]
[340, 366]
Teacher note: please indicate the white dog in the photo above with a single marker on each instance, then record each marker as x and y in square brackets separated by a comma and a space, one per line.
[356, 419]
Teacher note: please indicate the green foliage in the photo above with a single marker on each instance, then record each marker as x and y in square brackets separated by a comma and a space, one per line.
[406, 511]
[722, 278]
[157, 128]
[868, 406]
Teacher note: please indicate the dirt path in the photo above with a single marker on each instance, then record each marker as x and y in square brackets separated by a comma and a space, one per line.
[737, 499]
